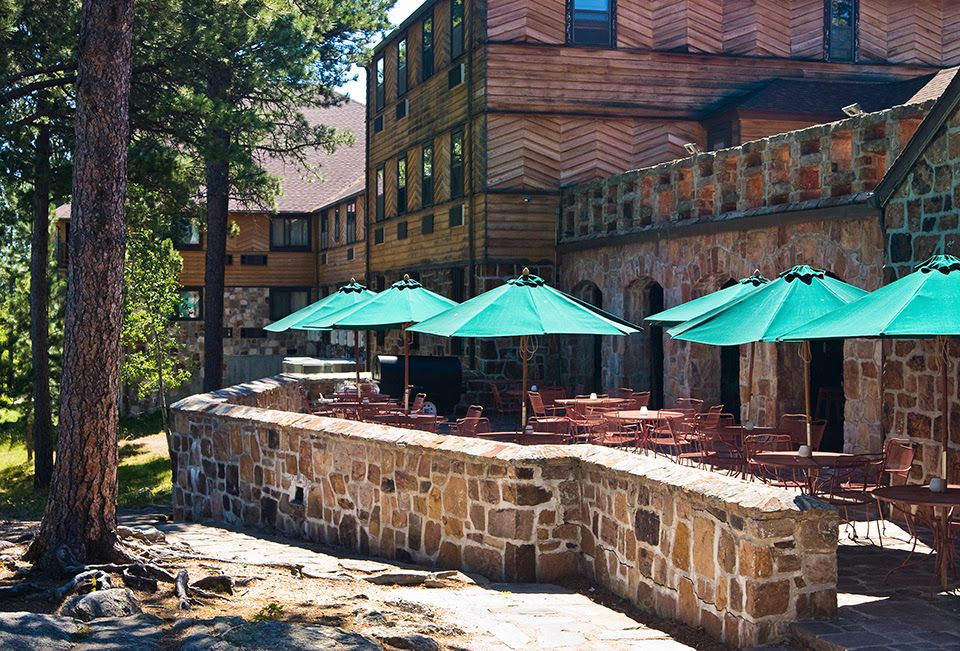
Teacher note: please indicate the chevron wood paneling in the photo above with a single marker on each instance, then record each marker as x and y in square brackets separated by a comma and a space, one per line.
[914, 35]
[704, 26]
[874, 22]
[951, 33]
[749, 28]
[635, 24]
[527, 20]
[523, 151]
[669, 24]
[806, 28]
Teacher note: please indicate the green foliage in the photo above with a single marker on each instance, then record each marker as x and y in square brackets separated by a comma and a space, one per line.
[151, 299]
[272, 611]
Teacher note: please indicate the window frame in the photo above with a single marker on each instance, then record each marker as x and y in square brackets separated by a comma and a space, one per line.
[180, 246]
[427, 181]
[336, 223]
[458, 46]
[199, 317]
[351, 222]
[427, 60]
[324, 229]
[828, 32]
[403, 173]
[380, 192]
[380, 83]
[403, 77]
[571, 23]
[286, 290]
[274, 246]
[458, 190]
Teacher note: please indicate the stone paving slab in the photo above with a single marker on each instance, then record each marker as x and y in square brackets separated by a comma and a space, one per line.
[501, 615]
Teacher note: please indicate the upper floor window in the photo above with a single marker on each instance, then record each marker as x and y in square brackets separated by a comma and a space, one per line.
[186, 233]
[381, 94]
[351, 222]
[284, 301]
[426, 175]
[336, 224]
[402, 66]
[378, 191]
[590, 22]
[190, 307]
[324, 229]
[426, 48]
[456, 164]
[841, 30]
[290, 233]
[456, 28]
[402, 184]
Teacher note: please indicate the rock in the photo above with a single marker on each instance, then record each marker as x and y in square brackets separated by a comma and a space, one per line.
[435, 583]
[333, 576]
[141, 632]
[283, 636]
[368, 567]
[399, 577]
[115, 602]
[146, 534]
[217, 583]
[21, 631]
[6, 544]
[413, 641]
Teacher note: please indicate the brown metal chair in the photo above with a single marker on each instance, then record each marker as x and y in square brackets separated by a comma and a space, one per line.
[539, 409]
[473, 423]
[641, 399]
[850, 484]
[501, 405]
[796, 426]
[417, 403]
[687, 404]
[755, 444]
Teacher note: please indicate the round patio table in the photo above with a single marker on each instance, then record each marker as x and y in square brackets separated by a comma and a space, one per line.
[591, 402]
[943, 505]
[809, 466]
[637, 416]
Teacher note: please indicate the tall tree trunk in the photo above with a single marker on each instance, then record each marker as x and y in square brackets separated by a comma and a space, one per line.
[39, 299]
[80, 516]
[218, 200]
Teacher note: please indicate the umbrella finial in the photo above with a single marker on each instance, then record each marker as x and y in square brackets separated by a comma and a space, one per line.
[353, 279]
[526, 271]
[406, 276]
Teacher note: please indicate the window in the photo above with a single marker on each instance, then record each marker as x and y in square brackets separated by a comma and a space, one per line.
[324, 229]
[378, 191]
[402, 185]
[841, 23]
[257, 259]
[290, 234]
[426, 224]
[590, 22]
[287, 301]
[185, 233]
[402, 230]
[381, 95]
[402, 66]
[336, 224]
[426, 175]
[191, 305]
[378, 236]
[456, 164]
[456, 29]
[351, 233]
[378, 124]
[426, 52]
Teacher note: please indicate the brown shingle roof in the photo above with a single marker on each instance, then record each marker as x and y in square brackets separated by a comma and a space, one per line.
[340, 173]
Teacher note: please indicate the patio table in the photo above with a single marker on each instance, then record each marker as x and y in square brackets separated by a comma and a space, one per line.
[637, 416]
[591, 402]
[943, 506]
[793, 460]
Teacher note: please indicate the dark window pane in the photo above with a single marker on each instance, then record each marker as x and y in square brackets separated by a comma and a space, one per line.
[590, 22]
[191, 305]
[842, 30]
[401, 185]
[290, 233]
[287, 301]
[324, 229]
[379, 193]
[351, 222]
[456, 28]
[426, 54]
[402, 66]
[402, 230]
[426, 224]
[380, 85]
[456, 164]
[426, 175]
[186, 233]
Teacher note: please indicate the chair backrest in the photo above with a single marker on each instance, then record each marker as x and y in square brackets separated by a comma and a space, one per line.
[623, 392]
[418, 402]
[641, 399]
[552, 425]
[696, 404]
[711, 419]
[474, 411]
[757, 443]
[796, 426]
[898, 457]
[536, 403]
[550, 395]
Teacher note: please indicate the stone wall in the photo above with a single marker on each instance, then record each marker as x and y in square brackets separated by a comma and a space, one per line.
[689, 226]
[741, 560]
[921, 219]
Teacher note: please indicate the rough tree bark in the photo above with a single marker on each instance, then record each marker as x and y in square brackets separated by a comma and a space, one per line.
[80, 516]
[39, 300]
[218, 198]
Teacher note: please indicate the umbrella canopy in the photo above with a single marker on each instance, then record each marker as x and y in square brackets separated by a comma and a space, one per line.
[349, 295]
[921, 304]
[524, 306]
[699, 306]
[798, 295]
[406, 301]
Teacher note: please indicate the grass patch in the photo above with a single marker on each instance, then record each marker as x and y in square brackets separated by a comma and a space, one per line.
[143, 476]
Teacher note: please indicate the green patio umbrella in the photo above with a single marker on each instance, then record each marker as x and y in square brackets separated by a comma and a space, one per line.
[920, 305]
[798, 295]
[348, 295]
[405, 302]
[698, 306]
[523, 307]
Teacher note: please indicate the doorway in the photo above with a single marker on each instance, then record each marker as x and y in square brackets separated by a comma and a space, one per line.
[826, 390]
[655, 350]
[730, 374]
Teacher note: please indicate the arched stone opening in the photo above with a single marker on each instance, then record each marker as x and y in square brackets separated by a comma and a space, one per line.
[586, 364]
[730, 373]
[643, 355]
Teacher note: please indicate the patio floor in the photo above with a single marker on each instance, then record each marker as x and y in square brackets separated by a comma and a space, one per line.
[880, 610]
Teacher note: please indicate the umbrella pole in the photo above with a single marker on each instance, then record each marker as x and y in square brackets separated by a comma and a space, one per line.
[942, 347]
[806, 356]
[753, 357]
[356, 361]
[406, 370]
[523, 381]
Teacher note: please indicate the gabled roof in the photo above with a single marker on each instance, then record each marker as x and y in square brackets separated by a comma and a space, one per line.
[944, 108]
[825, 99]
[339, 173]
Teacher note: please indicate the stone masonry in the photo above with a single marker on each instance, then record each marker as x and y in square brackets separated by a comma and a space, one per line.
[741, 560]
